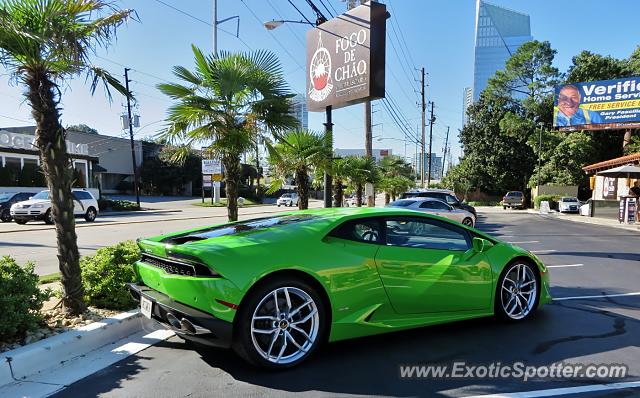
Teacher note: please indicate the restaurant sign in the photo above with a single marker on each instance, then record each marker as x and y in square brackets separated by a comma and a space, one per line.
[25, 141]
[346, 58]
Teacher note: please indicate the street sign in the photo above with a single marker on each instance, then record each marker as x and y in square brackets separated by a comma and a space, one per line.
[211, 166]
[346, 58]
[206, 178]
[217, 177]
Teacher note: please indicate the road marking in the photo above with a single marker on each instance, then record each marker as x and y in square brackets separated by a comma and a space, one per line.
[596, 297]
[524, 241]
[542, 251]
[553, 392]
[564, 265]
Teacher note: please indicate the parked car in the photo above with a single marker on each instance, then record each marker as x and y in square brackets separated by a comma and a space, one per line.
[38, 207]
[569, 204]
[8, 199]
[288, 199]
[357, 272]
[351, 201]
[444, 195]
[513, 199]
[438, 208]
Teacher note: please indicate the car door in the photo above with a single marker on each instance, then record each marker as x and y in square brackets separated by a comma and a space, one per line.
[78, 206]
[428, 265]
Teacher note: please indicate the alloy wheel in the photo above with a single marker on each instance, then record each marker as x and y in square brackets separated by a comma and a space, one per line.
[468, 222]
[285, 325]
[519, 291]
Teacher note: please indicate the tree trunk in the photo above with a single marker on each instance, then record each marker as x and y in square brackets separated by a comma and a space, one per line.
[337, 186]
[387, 198]
[50, 140]
[359, 195]
[302, 178]
[231, 181]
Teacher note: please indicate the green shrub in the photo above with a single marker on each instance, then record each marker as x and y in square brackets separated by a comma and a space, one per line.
[552, 199]
[484, 203]
[104, 276]
[117, 205]
[20, 299]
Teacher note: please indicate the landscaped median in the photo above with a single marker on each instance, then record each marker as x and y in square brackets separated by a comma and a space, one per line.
[37, 339]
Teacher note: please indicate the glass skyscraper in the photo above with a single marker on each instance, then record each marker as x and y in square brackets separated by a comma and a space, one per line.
[499, 33]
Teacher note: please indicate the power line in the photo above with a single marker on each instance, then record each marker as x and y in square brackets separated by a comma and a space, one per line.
[300, 12]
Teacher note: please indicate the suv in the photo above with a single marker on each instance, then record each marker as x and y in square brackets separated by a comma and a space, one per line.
[7, 199]
[444, 195]
[38, 207]
[288, 199]
[513, 199]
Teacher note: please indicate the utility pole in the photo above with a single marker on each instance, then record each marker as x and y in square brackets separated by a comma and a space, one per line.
[423, 127]
[133, 150]
[214, 23]
[444, 156]
[431, 121]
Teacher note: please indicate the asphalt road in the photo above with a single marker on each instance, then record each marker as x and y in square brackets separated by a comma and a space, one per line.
[588, 260]
[36, 241]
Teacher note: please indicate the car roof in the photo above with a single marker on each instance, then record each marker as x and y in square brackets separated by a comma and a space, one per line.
[421, 199]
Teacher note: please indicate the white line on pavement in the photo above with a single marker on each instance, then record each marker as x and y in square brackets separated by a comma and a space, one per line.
[564, 265]
[542, 251]
[596, 296]
[553, 392]
[524, 241]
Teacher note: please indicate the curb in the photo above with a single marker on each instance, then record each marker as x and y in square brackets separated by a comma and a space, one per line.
[585, 220]
[53, 352]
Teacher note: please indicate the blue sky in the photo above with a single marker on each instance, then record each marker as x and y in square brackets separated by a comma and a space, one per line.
[438, 33]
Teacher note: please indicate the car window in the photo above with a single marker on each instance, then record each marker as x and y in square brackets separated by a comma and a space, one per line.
[81, 195]
[44, 195]
[516, 194]
[451, 199]
[23, 196]
[425, 234]
[440, 205]
[571, 200]
[402, 203]
[5, 197]
[427, 205]
[363, 230]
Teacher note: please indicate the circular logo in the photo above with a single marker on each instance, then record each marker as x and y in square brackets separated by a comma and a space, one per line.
[320, 73]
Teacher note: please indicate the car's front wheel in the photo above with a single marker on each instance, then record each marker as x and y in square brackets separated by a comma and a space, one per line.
[517, 292]
[468, 222]
[48, 217]
[91, 214]
[5, 216]
[281, 324]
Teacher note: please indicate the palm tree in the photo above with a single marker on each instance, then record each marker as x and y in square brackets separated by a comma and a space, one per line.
[361, 170]
[395, 175]
[220, 101]
[340, 172]
[43, 44]
[299, 152]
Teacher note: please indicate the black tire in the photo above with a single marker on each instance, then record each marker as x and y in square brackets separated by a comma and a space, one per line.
[21, 222]
[468, 222]
[90, 215]
[501, 295]
[278, 205]
[5, 216]
[48, 217]
[243, 343]
[504, 207]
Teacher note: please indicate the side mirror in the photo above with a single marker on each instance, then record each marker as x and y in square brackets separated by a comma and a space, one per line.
[30, 197]
[481, 245]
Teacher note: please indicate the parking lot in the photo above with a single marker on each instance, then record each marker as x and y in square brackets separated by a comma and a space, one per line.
[594, 319]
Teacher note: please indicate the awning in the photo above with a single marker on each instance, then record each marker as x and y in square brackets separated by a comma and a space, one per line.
[98, 169]
[628, 171]
[609, 164]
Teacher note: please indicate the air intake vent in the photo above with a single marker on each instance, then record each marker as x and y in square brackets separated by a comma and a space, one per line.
[178, 268]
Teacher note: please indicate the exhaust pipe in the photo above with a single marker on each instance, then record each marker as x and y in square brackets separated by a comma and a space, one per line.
[187, 326]
[173, 321]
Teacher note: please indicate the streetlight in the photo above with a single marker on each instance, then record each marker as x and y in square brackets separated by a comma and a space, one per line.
[276, 23]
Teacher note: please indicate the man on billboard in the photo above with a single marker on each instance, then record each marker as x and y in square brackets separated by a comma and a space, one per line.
[568, 111]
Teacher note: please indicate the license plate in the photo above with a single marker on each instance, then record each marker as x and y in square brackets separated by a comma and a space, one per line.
[145, 307]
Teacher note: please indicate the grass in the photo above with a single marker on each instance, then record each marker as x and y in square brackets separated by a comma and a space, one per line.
[49, 278]
[223, 203]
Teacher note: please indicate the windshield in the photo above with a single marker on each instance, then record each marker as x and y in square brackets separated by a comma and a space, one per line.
[570, 200]
[402, 203]
[42, 195]
[514, 193]
[5, 196]
[286, 195]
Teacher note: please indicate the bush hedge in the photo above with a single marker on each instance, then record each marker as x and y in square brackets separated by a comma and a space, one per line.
[104, 276]
[552, 199]
[20, 299]
[117, 205]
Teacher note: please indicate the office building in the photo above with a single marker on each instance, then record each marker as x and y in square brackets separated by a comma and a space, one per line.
[436, 165]
[299, 110]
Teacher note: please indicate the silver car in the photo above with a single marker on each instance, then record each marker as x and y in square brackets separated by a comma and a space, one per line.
[569, 204]
[438, 208]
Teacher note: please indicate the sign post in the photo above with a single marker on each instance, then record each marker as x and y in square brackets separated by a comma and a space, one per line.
[213, 168]
[346, 64]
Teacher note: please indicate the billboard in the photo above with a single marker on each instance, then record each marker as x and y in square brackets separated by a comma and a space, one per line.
[346, 58]
[598, 105]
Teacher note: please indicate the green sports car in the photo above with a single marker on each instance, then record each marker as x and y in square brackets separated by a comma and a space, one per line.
[276, 288]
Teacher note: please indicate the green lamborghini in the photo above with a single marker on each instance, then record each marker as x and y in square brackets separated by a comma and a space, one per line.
[276, 288]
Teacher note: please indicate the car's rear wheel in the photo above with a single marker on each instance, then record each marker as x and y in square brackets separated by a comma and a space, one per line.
[91, 214]
[48, 217]
[281, 324]
[517, 292]
[5, 216]
[468, 222]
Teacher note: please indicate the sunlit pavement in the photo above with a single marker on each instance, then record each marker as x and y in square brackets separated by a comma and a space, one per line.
[585, 262]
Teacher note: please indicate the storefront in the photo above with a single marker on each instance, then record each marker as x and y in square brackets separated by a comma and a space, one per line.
[607, 191]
